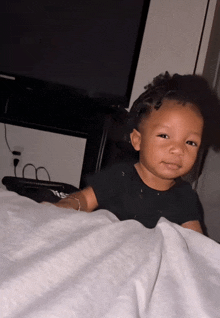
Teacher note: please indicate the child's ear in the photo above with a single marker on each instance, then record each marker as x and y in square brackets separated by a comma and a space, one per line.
[135, 139]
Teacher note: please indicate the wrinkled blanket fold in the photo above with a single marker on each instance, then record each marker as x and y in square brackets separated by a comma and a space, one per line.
[64, 263]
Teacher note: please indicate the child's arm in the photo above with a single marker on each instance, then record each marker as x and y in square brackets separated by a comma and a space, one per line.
[84, 200]
[193, 225]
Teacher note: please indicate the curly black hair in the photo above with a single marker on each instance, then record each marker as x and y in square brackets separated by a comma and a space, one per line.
[192, 89]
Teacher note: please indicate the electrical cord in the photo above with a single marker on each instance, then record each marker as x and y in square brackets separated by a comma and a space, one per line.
[15, 153]
[25, 166]
[15, 161]
[18, 153]
[43, 169]
[6, 140]
[36, 170]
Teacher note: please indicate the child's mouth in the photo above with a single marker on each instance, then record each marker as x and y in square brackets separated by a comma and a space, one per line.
[172, 166]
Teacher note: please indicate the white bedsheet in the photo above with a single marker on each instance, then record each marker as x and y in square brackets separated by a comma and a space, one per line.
[59, 263]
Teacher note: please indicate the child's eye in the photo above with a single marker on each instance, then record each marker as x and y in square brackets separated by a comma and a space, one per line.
[163, 136]
[192, 143]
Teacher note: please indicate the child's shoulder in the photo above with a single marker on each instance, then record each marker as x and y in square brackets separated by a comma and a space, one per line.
[112, 179]
[113, 172]
[184, 187]
[122, 167]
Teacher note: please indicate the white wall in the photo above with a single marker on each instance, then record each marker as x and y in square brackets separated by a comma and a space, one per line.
[171, 40]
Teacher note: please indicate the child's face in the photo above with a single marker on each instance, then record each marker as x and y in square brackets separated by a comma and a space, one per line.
[168, 141]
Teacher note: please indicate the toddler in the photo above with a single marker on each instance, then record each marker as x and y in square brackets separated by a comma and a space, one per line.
[168, 123]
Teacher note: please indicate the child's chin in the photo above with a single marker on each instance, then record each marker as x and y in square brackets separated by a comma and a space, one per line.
[171, 175]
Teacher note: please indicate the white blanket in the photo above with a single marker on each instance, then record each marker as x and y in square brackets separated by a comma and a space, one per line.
[63, 263]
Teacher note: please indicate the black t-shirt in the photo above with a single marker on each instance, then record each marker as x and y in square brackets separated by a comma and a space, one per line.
[120, 190]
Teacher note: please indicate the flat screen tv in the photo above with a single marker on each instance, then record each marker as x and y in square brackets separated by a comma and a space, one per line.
[69, 52]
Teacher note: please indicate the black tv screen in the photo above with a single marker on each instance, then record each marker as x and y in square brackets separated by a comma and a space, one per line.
[92, 46]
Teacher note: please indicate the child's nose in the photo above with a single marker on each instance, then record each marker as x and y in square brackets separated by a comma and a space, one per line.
[177, 148]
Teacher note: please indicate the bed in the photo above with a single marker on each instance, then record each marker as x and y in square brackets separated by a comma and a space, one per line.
[65, 263]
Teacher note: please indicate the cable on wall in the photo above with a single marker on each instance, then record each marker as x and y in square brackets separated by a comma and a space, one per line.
[204, 152]
[36, 170]
[6, 139]
[15, 162]
[215, 80]
[44, 170]
[25, 166]
[14, 152]
[201, 37]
